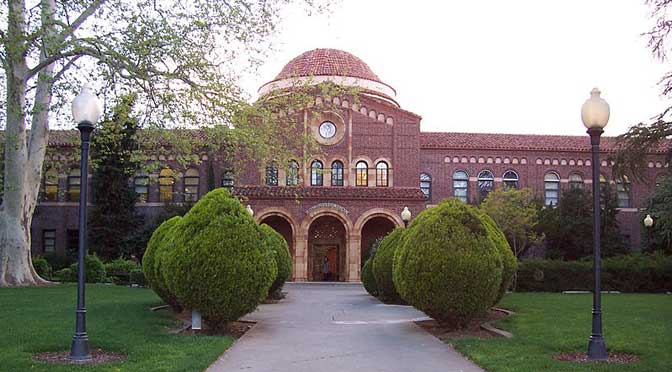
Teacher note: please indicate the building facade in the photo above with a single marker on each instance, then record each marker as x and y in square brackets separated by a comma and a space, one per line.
[375, 162]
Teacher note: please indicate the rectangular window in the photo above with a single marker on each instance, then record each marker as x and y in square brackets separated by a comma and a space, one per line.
[551, 193]
[141, 185]
[460, 189]
[623, 195]
[48, 241]
[73, 188]
[362, 177]
[191, 189]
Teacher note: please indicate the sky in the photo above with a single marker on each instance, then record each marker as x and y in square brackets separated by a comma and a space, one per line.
[491, 66]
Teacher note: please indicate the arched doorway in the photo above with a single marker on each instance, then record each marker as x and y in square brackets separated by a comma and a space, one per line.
[326, 249]
[374, 228]
[282, 226]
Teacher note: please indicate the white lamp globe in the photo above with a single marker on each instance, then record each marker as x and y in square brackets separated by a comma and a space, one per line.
[595, 111]
[648, 220]
[406, 214]
[86, 107]
[250, 210]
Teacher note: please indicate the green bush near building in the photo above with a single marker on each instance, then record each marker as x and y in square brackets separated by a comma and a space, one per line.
[119, 270]
[509, 261]
[42, 267]
[283, 259]
[219, 264]
[93, 267]
[448, 264]
[153, 261]
[368, 280]
[382, 266]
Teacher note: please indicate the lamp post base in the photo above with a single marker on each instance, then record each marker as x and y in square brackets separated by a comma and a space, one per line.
[597, 349]
[79, 351]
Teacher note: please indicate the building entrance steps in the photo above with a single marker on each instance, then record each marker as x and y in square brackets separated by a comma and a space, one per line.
[329, 327]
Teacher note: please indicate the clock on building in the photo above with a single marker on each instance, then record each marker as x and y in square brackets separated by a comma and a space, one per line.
[327, 129]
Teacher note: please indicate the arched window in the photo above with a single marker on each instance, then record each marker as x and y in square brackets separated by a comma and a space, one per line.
[510, 180]
[228, 180]
[271, 175]
[50, 187]
[575, 181]
[551, 189]
[623, 192]
[382, 174]
[292, 178]
[166, 184]
[426, 185]
[74, 184]
[460, 185]
[486, 182]
[191, 183]
[337, 173]
[361, 174]
[141, 187]
[316, 173]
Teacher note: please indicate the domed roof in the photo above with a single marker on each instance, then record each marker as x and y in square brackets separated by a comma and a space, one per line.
[337, 66]
[332, 62]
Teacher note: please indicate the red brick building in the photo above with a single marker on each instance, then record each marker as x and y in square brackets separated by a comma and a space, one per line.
[375, 162]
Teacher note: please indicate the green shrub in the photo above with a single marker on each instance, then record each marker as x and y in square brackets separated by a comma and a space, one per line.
[220, 264]
[59, 261]
[93, 267]
[508, 258]
[368, 281]
[382, 266]
[152, 262]
[448, 264]
[138, 277]
[42, 267]
[625, 273]
[283, 258]
[65, 275]
[119, 270]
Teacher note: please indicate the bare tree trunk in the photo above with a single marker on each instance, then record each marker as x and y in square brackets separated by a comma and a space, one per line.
[23, 160]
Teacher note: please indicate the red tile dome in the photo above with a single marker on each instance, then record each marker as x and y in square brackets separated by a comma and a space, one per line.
[337, 66]
[332, 62]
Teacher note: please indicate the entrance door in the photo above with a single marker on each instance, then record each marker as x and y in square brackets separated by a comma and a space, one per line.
[325, 270]
[326, 249]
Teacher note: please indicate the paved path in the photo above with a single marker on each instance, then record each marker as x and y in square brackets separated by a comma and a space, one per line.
[338, 327]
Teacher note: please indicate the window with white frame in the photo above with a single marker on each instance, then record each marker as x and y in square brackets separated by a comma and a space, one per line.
[551, 189]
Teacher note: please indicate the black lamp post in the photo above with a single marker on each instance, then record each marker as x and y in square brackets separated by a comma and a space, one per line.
[595, 115]
[86, 111]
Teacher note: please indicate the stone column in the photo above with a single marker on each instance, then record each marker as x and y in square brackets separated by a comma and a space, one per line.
[301, 259]
[354, 257]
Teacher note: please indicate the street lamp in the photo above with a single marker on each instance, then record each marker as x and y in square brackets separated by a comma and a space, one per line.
[595, 115]
[86, 111]
[648, 222]
[405, 216]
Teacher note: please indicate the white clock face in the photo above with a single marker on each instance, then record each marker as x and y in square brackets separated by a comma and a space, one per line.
[327, 129]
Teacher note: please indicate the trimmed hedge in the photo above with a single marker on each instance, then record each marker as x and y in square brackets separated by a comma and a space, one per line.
[508, 258]
[119, 270]
[368, 280]
[448, 264]
[153, 261]
[219, 265]
[138, 277]
[382, 266]
[627, 273]
[93, 267]
[283, 258]
[42, 267]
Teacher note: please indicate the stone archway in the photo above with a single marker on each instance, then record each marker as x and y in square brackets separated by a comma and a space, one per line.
[327, 247]
[373, 224]
[281, 222]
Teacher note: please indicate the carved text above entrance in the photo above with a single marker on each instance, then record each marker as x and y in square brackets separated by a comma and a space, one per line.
[335, 206]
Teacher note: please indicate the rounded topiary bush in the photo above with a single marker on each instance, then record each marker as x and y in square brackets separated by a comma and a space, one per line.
[94, 269]
[368, 281]
[509, 261]
[283, 259]
[448, 264]
[220, 264]
[382, 266]
[153, 261]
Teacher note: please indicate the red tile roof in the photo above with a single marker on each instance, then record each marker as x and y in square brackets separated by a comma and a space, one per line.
[327, 62]
[499, 141]
[299, 192]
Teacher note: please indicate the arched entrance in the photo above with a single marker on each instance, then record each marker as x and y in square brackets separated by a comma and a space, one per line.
[282, 226]
[376, 227]
[327, 241]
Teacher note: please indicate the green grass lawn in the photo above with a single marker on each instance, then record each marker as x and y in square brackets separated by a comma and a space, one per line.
[547, 323]
[118, 319]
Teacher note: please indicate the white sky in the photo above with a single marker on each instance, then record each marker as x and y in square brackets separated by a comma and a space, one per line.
[516, 66]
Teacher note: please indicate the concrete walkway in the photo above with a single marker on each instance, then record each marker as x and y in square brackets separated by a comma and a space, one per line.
[338, 327]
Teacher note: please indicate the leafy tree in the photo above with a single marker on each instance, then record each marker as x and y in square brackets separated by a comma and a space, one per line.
[113, 157]
[516, 214]
[643, 137]
[659, 206]
[568, 228]
[183, 58]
